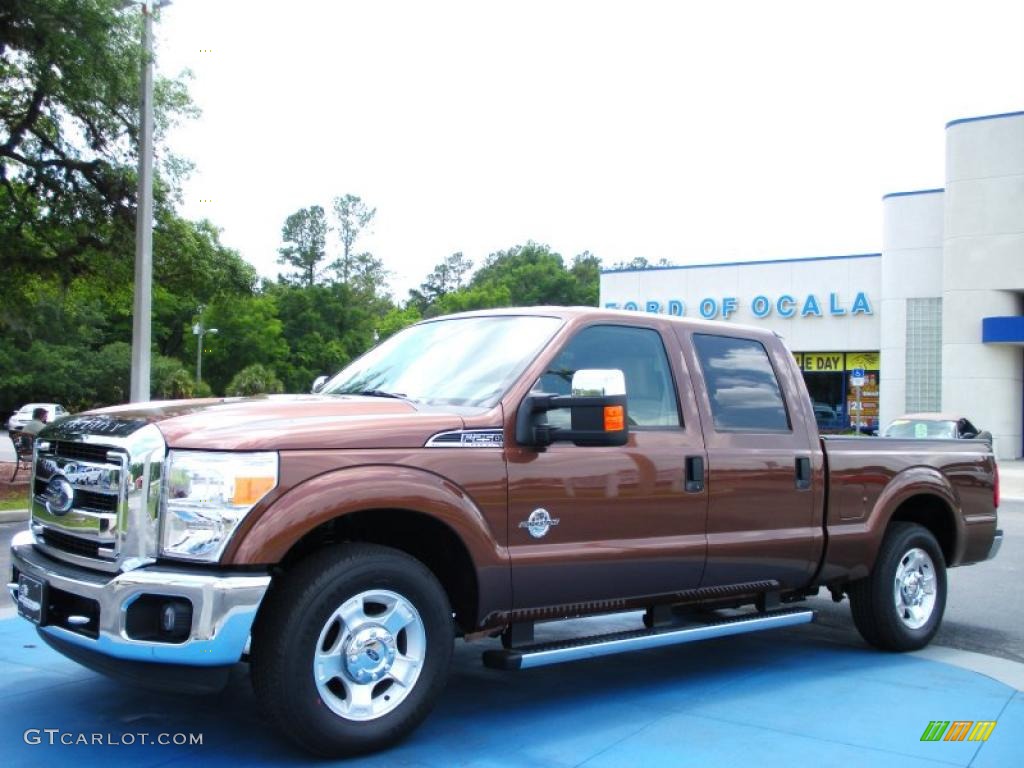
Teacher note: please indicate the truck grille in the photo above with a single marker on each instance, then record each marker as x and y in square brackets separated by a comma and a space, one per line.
[96, 491]
[81, 451]
[95, 502]
[87, 531]
[72, 544]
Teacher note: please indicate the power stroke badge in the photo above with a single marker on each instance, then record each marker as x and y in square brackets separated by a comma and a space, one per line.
[539, 523]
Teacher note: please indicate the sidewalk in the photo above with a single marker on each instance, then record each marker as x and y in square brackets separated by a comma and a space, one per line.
[777, 699]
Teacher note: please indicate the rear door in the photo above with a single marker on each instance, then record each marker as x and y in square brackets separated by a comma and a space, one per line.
[623, 524]
[763, 523]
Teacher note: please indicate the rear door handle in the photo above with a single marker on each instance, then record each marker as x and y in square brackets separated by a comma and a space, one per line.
[694, 474]
[803, 472]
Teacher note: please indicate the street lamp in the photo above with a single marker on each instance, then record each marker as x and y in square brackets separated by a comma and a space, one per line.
[142, 324]
[199, 330]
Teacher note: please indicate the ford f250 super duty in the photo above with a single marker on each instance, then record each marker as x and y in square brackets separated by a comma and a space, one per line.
[471, 476]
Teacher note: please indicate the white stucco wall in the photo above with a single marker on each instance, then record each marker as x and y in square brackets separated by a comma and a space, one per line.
[911, 267]
[983, 273]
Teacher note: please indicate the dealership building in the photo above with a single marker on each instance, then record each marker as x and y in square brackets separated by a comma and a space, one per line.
[935, 322]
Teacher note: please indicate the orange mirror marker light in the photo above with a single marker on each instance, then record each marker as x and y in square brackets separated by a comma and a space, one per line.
[614, 418]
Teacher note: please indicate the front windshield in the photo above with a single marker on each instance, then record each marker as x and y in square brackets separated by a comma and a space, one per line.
[919, 428]
[468, 361]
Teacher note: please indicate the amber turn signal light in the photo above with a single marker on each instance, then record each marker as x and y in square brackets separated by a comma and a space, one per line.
[614, 418]
[249, 490]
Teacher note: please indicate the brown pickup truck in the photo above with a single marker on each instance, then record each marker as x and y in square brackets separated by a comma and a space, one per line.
[471, 476]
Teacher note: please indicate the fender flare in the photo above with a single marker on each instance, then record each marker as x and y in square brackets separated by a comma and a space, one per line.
[341, 492]
[908, 483]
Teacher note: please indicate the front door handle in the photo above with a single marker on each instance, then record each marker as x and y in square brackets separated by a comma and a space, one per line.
[694, 474]
[803, 472]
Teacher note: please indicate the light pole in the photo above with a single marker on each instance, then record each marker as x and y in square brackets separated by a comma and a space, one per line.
[199, 330]
[142, 324]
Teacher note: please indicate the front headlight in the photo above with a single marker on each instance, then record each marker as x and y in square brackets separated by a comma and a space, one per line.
[206, 495]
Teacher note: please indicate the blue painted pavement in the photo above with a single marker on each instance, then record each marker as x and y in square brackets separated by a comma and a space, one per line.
[774, 699]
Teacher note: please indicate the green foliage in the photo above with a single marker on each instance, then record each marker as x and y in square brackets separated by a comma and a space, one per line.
[69, 90]
[524, 275]
[446, 277]
[396, 320]
[254, 380]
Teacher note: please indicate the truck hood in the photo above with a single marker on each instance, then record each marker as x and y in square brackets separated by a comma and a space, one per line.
[283, 422]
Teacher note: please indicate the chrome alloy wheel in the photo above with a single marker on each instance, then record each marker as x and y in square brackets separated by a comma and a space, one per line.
[914, 588]
[369, 655]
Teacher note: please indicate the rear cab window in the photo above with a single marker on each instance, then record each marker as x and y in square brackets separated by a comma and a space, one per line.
[743, 389]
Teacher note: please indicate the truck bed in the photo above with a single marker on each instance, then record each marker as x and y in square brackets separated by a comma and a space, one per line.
[950, 485]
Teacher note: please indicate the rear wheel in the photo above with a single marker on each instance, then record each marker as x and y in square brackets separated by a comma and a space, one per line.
[352, 649]
[899, 606]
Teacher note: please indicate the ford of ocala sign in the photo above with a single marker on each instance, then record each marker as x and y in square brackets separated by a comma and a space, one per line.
[761, 306]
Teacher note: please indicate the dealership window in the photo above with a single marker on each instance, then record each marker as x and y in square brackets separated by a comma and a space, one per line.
[924, 355]
[837, 404]
[741, 383]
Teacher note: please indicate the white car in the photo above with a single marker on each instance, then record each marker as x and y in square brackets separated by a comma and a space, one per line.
[23, 415]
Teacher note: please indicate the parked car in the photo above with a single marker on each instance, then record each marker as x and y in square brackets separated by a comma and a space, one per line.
[935, 426]
[471, 476]
[23, 415]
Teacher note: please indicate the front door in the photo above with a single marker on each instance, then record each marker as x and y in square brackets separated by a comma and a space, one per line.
[591, 524]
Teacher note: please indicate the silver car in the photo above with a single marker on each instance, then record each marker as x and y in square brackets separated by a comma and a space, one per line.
[23, 415]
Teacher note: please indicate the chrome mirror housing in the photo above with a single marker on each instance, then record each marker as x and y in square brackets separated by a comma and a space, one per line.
[318, 384]
[598, 382]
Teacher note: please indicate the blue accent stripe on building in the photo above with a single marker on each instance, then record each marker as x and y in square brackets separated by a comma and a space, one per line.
[1002, 330]
[913, 192]
[983, 117]
[745, 263]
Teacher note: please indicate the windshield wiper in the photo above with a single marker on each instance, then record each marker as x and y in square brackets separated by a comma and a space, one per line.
[381, 393]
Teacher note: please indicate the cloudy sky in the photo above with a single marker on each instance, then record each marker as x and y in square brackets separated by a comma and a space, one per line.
[693, 131]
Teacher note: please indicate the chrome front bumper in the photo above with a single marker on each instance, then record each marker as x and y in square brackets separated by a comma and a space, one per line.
[224, 606]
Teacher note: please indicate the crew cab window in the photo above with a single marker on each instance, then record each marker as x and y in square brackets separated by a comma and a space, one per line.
[638, 352]
[741, 384]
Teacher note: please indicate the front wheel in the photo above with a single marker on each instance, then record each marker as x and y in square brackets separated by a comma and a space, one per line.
[899, 606]
[352, 649]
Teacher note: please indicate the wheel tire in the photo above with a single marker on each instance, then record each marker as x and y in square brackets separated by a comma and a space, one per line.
[301, 617]
[881, 612]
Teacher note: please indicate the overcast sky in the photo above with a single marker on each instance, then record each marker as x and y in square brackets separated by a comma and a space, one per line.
[695, 132]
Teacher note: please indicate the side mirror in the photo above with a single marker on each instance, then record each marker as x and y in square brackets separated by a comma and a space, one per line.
[318, 383]
[597, 408]
[984, 435]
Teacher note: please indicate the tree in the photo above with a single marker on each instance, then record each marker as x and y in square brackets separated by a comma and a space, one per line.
[305, 235]
[69, 92]
[396, 320]
[249, 331]
[353, 216]
[532, 273]
[448, 276]
[586, 270]
[639, 262]
[254, 380]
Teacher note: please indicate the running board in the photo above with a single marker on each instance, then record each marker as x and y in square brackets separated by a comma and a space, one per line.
[542, 654]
